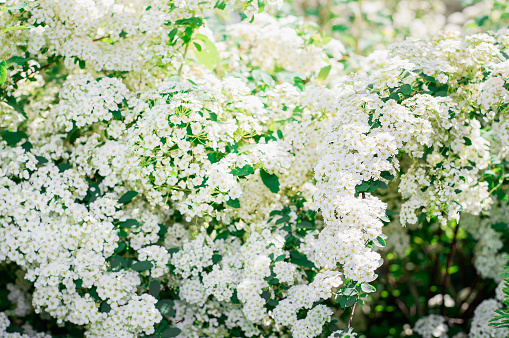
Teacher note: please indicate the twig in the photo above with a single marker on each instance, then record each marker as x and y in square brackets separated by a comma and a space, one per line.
[102, 37]
[351, 315]
[448, 264]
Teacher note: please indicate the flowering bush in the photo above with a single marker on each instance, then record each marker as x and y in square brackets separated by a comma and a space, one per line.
[167, 172]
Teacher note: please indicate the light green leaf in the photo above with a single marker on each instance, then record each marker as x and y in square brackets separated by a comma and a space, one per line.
[3, 72]
[324, 72]
[14, 28]
[367, 288]
[208, 56]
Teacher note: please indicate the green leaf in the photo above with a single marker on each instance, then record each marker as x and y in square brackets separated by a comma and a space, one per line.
[233, 203]
[121, 246]
[368, 288]
[220, 5]
[300, 260]
[280, 258]
[105, 307]
[283, 219]
[305, 225]
[387, 175]
[500, 227]
[339, 28]
[129, 223]
[362, 187]
[171, 332]
[154, 288]
[269, 81]
[216, 258]
[127, 197]
[20, 5]
[271, 181]
[480, 20]
[20, 61]
[380, 241]
[244, 171]
[350, 292]
[13, 137]
[11, 101]
[208, 56]
[3, 72]
[172, 33]
[142, 266]
[280, 134]
[324, 72]
[406, 89]
[468, 142]
[13, 28]
[117, 262]
[382, 185]
[63, 167]
[165, 307]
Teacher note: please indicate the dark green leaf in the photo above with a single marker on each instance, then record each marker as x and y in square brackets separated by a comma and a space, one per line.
[171, 332]
[154, 288]
[121, 246]
[105, 307]
[142, 266]
[362, 187]
[387, 175]
[13, 137]
[11, 101]
[216, 258]
[406, 89]
[129, 223]
[468, 142]
[127, 197]
[233, 203]
[305, 225]
[283, 219]
[63, 167]
[271, 181]
[280, 134]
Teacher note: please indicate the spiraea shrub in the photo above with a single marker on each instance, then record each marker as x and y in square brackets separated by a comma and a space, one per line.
[223, 169]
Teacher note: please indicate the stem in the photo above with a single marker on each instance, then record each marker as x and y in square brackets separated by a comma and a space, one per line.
[448, 266]
[359, 27]
[184, 60]
[351, 315]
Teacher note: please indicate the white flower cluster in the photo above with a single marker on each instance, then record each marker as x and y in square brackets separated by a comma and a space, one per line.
[480, 326]
[431, 326]
[4, 324]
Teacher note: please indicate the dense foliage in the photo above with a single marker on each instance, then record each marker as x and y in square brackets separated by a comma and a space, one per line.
[254, 168]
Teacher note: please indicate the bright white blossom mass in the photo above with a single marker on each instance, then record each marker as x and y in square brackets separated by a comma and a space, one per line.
[249, 169]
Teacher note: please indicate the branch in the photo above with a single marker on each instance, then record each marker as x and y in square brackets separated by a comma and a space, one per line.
[448, 264]
[351, 315]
